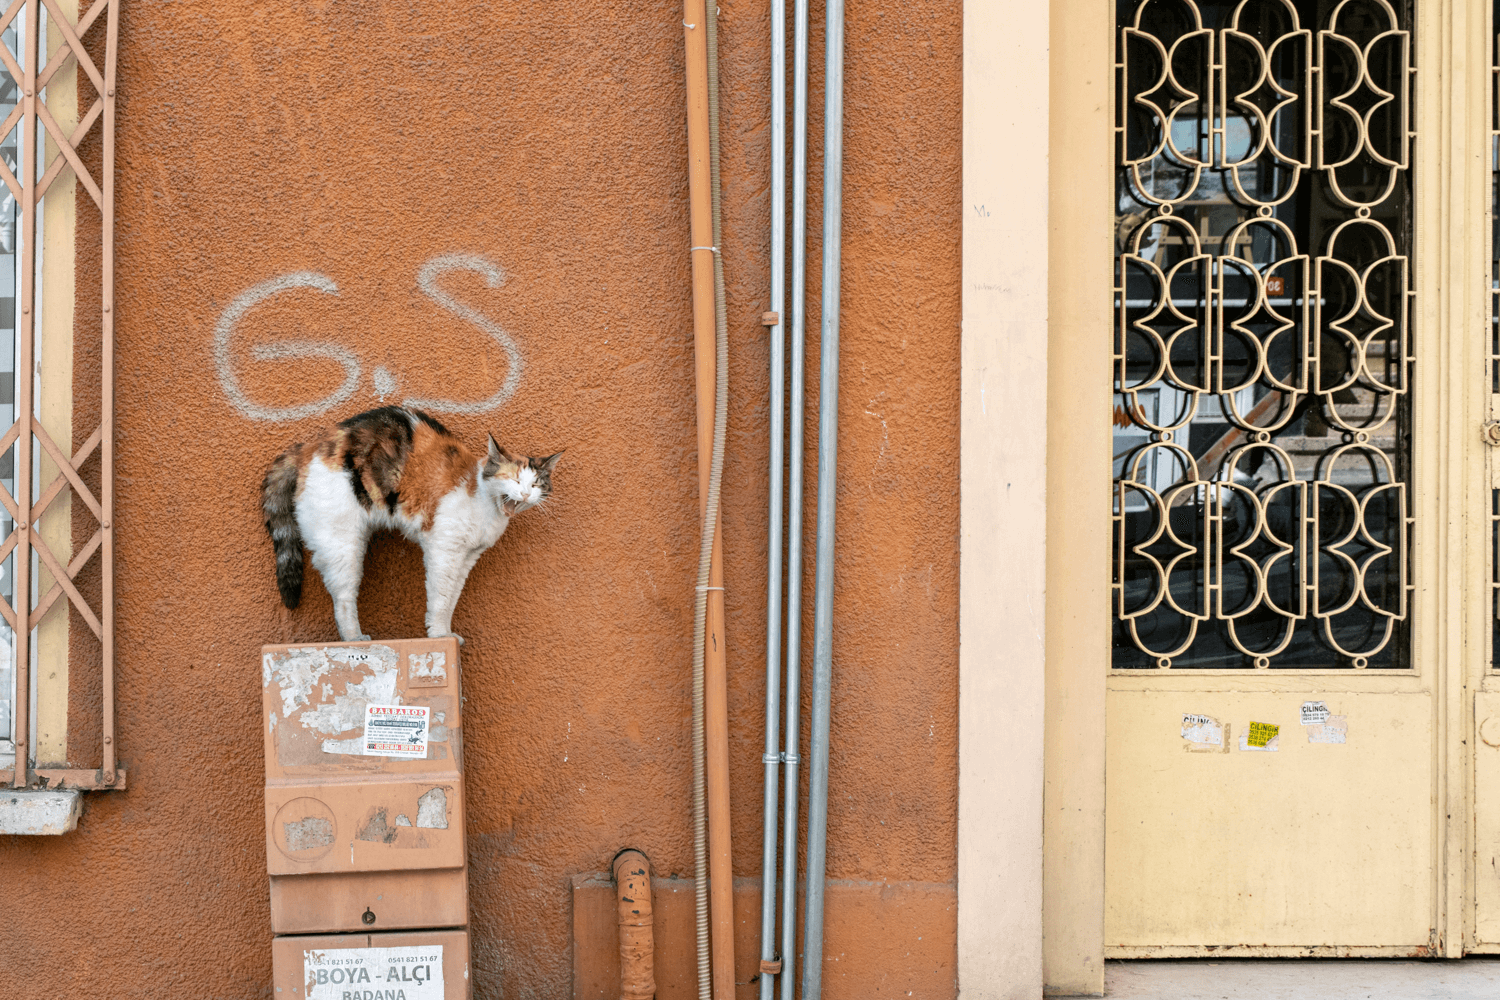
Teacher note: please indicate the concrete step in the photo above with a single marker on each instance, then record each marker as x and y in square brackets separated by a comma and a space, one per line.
[1302, 979]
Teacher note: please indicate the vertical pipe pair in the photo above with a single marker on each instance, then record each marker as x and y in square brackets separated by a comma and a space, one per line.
[827, 482]
[25, 407]
[711, 842]
[716, 700]
[787, 967]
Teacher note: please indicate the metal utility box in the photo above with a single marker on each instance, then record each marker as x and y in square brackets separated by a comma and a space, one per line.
[365, 811]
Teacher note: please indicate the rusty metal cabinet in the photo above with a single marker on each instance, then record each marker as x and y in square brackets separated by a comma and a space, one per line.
[365, 817]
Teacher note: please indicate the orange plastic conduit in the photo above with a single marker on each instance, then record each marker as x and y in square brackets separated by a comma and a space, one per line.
[711, 356]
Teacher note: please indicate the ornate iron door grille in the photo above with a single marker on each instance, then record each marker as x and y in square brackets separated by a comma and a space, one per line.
[29, 173]
[1262, 346]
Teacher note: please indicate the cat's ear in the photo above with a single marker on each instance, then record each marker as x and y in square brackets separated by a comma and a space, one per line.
[499, 454]
[546, 465]
[496, 457]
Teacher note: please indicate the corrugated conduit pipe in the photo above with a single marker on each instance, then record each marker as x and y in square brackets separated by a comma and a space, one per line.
[702, 88]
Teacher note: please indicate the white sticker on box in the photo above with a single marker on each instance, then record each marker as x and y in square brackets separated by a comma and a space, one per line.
[396, 731]
[415, 972]
[1314, 713]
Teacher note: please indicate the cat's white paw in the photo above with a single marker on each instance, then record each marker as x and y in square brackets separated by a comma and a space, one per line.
[446, 635]
[363, 638]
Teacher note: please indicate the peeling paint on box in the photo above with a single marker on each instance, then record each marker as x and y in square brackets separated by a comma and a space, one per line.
[299, 673]
[427, 669]
[308, 833]
[303, 669]
[432, 809]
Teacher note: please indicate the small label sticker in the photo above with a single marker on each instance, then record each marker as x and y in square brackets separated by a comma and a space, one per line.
[1262, 736]
[415, 972]
[1202, 734]
[1335, 730]
[1314, 713]
[396, 731]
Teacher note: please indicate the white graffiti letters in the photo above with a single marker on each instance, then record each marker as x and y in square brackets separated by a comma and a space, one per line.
[494, 277]
[285, 350]
[383, 381]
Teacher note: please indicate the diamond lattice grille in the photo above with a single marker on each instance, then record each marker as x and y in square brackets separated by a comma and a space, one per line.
[41, 40]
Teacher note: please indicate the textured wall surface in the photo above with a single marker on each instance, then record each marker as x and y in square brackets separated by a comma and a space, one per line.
[361, 142]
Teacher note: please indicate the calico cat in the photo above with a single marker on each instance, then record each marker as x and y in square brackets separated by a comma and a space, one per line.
[399, 469]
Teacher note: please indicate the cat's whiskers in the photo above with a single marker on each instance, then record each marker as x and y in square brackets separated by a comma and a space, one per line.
[548, 504]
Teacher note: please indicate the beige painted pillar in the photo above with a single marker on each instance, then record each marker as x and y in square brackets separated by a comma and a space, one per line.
[54, 362]
[1079, 448]
[1003, 500]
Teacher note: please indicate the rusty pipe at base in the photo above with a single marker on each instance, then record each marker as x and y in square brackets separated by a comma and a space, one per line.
[632, 872]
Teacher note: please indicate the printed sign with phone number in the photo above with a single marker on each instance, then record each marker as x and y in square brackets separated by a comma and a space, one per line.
[410, 973]
[396, 731]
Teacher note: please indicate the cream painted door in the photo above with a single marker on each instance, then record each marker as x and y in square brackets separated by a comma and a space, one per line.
[1297, 568]
[1483, 679]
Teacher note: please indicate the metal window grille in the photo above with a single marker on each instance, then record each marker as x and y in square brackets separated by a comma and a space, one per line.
[30, 28]
[1262, 346]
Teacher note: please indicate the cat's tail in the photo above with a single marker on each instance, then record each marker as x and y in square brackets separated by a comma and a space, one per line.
[278, 498]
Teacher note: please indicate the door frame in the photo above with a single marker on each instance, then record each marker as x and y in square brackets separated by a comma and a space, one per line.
[1451, 630]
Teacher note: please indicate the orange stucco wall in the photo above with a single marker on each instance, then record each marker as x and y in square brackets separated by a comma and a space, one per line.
[362, 141]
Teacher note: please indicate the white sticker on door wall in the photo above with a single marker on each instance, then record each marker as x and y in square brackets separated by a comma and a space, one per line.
[413, 972]
[1335, 730]
[1314, 713]
[396, 731]
[1203, 734]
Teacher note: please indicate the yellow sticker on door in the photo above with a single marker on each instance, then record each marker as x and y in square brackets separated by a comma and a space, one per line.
[1261, 736]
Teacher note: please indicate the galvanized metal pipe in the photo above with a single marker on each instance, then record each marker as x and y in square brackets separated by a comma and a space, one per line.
[828, 428]
[794, 505]
[107, 384]
[772, 757]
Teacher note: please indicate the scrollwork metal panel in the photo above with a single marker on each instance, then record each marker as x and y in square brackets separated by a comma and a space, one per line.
[1262, 346]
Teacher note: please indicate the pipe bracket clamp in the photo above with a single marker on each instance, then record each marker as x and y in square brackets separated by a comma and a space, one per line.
[780, 758]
